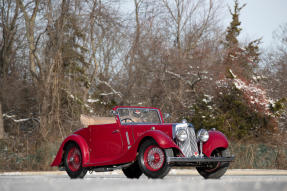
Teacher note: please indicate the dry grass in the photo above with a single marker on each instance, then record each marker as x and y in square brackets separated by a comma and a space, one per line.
[259, 156]
[23, 154]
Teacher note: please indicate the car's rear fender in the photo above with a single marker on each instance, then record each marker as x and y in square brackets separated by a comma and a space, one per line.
[216, 140]
[80, 141]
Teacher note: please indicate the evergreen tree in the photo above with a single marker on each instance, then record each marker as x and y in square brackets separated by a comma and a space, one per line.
[241, 59]
[234, 29]
[240, 109]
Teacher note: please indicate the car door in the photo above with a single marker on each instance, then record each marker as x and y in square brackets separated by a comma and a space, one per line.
[128, 136]
[107, 143]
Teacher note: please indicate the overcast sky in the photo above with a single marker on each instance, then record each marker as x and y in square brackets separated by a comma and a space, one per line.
[260, 18]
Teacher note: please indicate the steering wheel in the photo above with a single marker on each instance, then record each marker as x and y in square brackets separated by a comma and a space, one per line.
[127, 118]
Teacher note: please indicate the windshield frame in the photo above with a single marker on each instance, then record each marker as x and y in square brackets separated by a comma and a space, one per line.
[140, 123]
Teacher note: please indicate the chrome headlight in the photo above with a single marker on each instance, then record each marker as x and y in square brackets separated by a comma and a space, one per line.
[203, 135]
[181, 135]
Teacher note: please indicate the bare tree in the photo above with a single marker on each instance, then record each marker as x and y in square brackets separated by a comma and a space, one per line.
[134, 51]
[182, 13]
[9, 15]
[2, 132]
[9, 28]
[30, 34]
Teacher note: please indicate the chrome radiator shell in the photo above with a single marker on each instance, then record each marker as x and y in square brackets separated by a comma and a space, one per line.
[188, 147]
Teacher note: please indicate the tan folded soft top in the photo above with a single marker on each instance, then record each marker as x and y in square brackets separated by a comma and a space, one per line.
[94, 120]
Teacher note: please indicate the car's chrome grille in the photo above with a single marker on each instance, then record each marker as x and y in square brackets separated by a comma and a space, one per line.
[189, 146]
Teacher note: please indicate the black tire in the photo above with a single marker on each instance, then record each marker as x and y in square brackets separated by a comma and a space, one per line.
[215, 170]
[74, 172]
[145, 165]
[133, 171]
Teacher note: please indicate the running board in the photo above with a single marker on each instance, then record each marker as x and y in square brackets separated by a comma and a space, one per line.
[186, 160]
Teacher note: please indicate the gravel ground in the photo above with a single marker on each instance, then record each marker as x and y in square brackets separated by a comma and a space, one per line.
[177, 180]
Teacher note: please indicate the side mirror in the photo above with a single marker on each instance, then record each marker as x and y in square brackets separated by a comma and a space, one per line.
[166, 115]
[114, 113]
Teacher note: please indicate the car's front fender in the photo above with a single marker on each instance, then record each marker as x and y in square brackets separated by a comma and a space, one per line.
[80, 141]
[216, 140]
[162, 139]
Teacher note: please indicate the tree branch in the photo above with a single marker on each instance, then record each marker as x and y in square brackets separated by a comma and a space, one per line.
[113, 90]
[187, 82]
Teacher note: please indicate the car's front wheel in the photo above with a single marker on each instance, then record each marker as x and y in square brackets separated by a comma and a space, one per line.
[73, 161]
[152, 160]
[217, 169]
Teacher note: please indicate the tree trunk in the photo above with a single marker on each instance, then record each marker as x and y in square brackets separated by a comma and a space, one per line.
[2, 132]
[44, 118]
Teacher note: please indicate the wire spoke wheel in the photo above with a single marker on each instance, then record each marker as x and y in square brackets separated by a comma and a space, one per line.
[73, 161]
[152, 160]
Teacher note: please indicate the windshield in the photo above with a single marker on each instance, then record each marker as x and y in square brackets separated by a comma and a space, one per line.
[138, 116]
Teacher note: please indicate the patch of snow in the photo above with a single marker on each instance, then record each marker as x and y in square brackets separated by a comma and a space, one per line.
[256, 78]
[103, 103]
[12, 117]
[106, 94]
[207, 98]
[172, 73]
[221, 83]
[254, 94]
[93, 100]
[272, 103]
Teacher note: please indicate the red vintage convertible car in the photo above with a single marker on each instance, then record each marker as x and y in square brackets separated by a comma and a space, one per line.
[138, 141]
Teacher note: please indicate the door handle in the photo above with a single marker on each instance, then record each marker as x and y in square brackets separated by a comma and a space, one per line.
[116, 131]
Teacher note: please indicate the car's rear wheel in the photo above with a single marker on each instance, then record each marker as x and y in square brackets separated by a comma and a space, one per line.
[73, 161]
[152, 160]
[133, 171]
[217, 169]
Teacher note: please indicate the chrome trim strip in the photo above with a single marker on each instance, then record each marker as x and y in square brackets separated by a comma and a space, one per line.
[173, 130]
[128, 139]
